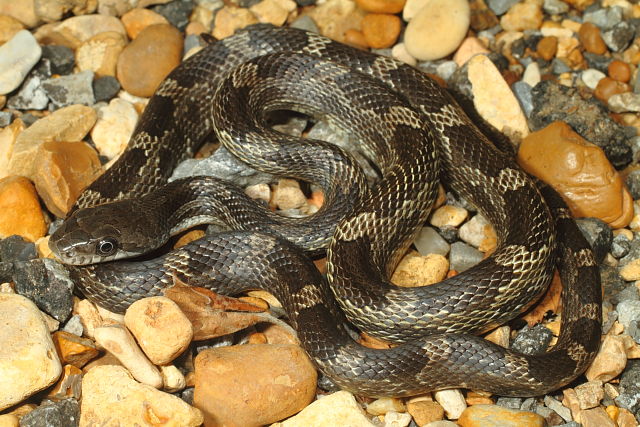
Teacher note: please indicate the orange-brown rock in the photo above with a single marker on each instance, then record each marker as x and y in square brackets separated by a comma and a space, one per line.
[579, 171]
[355, 38]
[619, 70]
[231, 18]
[138, 19]
[69, 384]
[252, 385]
[482, 18]
[608, 86]
[381, 6]
[147, 60]
[9, 26]
[425, 411]
[381, 30]
[484, 415]
[334, 17]
[547, 47]
[74, 350]
[20, 211]
[62, 170]
[591, 39]
[580, 4]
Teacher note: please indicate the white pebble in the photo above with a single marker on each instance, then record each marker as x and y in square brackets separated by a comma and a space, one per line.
[17, 57]
[452, 401]
[591, 77]
[531, 74]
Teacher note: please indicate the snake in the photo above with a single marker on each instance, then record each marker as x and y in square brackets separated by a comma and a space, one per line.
[416, 134]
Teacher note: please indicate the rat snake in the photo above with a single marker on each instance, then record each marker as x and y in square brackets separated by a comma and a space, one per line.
[415, 133]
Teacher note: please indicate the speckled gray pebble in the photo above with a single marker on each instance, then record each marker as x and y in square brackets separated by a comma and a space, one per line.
[500, 6]
[628, 311]
[604, 18]
[629, 397]
[65, 413]
[620, 246]
[62, 58]
[72, 89]
[177, 12]
[532, 340]
[305, 22]
[619, 37]
[464, 256]
[522, 91]
[509, 402]
[555, 7]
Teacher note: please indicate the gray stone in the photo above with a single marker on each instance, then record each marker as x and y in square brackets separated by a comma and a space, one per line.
[17, 57]
[62, 58]
[509, 402]
[31, 96]
[446, 69]
[16, 249]
[604, 18]
[556, 406]
[191, 41]
[560, 66]
[5, 118]
[620, 244]
[74, 325]
[532, 340]
[65, 413]
[499, 7]
[555, 7]
[305, 22]
[628, 311]
[464, 256]
[428, 241]
[72, 89]
[629, 397]
[105, 88]
[177, 12]
[522, 91]
[529, 404]
[612, 283]
[599, 62]
[619, 37]
[598, 234]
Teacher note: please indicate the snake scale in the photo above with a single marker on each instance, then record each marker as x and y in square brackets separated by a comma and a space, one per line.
[415, 133]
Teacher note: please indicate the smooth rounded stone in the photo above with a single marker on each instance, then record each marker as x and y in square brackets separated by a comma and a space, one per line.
[555, 7]
[117, 340]
[416, 270]
[172, 379]
[591, 77]
[624, 102]
[20, 211]
[381, 6]
[428, 241]
[521, 17]
[381, 30]
[114, 127]
[437, 29]
[138, 19]
[64, 413]
[579, 171]
[619, 37]
[17, 57]
[498, 416]
[598, 234]
[385, 404]
[147, 60]
[463, 257]
[452, 401]
[62, 170]
[71, 89]
[110, 393]
[448, 216]
[478, 232]
[399, 52]
[105, 88]
[591, 39]
[336, 409]
[26, 340]
[231, 387]
[160, 327]
[288, 195]
[100, 53]
[547, 47]
[619, 70]
[487, 85]
[610, 360]
[8, 138]
[9, 420]
[607, 87]
[72, 32]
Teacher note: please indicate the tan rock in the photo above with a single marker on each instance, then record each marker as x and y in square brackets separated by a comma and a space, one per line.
[424, 411]
[487, 85]
[499, 336]
[20, 211]
[437, 29]
[118, 341]
[273, 12]
[288, 195]
[74, 350]
[579, 171]
[100, 53]
[607, 87]
[9, 420]
[522, 16]
[229, 19]
[411, 9]
[626, 419]
[89, 316]
[452, 401]
[337, 409]
[70, 123]
[62, 171]
[589, 394]
[114, 127]
[232, 388]
[24, 11]
[547, 47]
[8, 138]
[385, 404]
[381, 30]
[109, 393]
[72, 32]
[147, 60]
[418, 270]
[469, 47]
[484, 415]
[610, 360]
[9, 26]
[448, 216]
[26, 344]
[631, 271]
[335, 17]
[260, 191]
[172, 379]
[69, 384]
[479, 233]
[161, 329]
[138, 19]
[399, 52]
[596, 417]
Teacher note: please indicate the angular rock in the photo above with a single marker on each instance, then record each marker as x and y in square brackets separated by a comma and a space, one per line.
[20, 211]
[17, 57]
[100, 53]
[105, 88]
[428, 241]
[62, 58]
[65, 413]
[335, 409]
[74, 350]
[114, 127]
[452, 401]
[416, 270]
[69, 385]
[610, 360]
[71, 89]
[463, 256]
[522, 16]
[72, 32]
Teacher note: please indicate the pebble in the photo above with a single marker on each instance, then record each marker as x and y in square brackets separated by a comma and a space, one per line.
[61, 58]
[598, 234]
[172, 379]
[9, 420]
[596, 417]
[416, 270]
[381, 6]
[487, 84]
[522, 16]
[9, 26]
[411, 9]
[428, 241]
[20, 211]
[176, 12]
[619, 37]
[71, 89]
[522, 91]
[425, 411]
[479, 233]
[231, 387]
[105, 88]
[147, 60]
[337, 409]
[499, 7]
[555, 7]
[576, 168]
[288, 195]
[591, 39]
[448, 216]
[100, 53]
[399, 52]
[498, 416]
[69, 385]
[17, 57]
[381, 30]
[72, 32]
[274, 12]
[229, 19]
[547, 47]
[138, 19]
[31, 95]
[469, 47]
[161, 329]
[64, 413]
[452, 401]
[624, 102]
[110, 393]
[608, 87]
[591, 77]
[74, 350]
[610, 360]
[463, 257]
[619, 70]
[533, 340]
[628, 311]
[589, 394]
[117, 340]
[25, 338]
[437, 29]
[114, 127]
[386, 404]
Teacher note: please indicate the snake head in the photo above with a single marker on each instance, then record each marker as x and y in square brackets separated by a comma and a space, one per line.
[104, 233]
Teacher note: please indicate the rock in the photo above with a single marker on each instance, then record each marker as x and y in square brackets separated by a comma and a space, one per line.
[607, 87]
[114, 127]
[74, 350]
[589, 394]
[619, 70]
[522, 16]
[118, 341]
[499, 7]
[31, 95]
[428, 241]
[558, 408]
[72, 32]
[547, 47]
[147, 60]
[463, 257]
[9, 26]
[8, 137]
[425, 411]
[415, 270]
[482, 18]
[624, 102]
[69, 385]
[381, 6]
[138, 19]
[591, 77]
[555, 7]
[619, 37]
[486, 84]
[9, 420]
[17, 57]
[230, 19]
[469, 47]
[105, 88]
[561, 157]
[334, 17]
[15, 249]
[273, 12]
[381, 30]
[26, 340]
[20, 211]
[533, 340]
[610, 360]
[599, 236]
[176, 12]
[231, 387]
[72, 89]
[54, 10]
[287, 195]
[437, 29]
[628, 311]
[386, 404]
[629, 397]
[337, 409]
[448, 216]
[452, 401]
[596, 417]
[591, 39]
[110, 393]
[172, 379]
[161, 329]
[479, 233]
[531, 74]
[64, 413]
[493, 415]
[100, 53]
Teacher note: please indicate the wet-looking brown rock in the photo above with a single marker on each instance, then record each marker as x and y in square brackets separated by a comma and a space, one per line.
[579, 171]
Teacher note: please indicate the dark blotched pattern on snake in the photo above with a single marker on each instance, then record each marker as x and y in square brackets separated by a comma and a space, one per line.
[414, 132]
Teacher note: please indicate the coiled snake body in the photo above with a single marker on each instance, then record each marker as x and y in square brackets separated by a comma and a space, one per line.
[416, 133]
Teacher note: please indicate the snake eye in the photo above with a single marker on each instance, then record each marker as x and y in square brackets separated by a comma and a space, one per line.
[106, 246]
